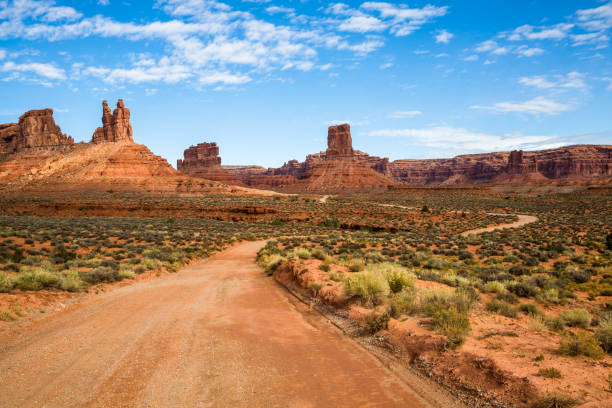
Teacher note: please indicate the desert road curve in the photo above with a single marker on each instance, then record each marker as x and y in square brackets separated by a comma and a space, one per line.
[218, 333]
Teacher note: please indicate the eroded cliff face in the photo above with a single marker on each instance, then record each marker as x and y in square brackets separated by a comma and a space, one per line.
[116, 127]
[203, 161]
[35, 129]
[570, 162]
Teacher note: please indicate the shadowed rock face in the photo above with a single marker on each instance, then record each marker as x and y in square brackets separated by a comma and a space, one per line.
[116, 127]
[203, 161]
[339, 141]
[36, 129]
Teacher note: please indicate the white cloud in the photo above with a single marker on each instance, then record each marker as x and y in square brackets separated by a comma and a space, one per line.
[280, 10]
[525, 51]
[150, 91]
[466, 140]
[404, 114]
[224, 78]
[472, 57]
[572, 80]
[609, 81]
[362, 24]
[381, 66]
[44, 70]
[104, 2]
[487, 46]
[535, 106]
[444, 37]
[529, 32]
[596, 19]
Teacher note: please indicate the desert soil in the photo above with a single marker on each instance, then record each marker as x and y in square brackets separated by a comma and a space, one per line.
[217, 333]
[522, 220]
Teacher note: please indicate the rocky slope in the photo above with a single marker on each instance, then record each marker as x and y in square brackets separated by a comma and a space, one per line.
[35, 129]
[203, 161]
[111, 162]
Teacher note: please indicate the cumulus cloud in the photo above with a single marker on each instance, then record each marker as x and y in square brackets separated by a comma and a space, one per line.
[535, 106]
[444, 37]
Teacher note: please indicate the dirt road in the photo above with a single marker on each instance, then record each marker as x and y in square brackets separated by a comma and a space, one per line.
[216, 334]
[522, 220]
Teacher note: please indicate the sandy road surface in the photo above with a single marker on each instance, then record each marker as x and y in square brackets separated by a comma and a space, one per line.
[216, 334]
[522, 220]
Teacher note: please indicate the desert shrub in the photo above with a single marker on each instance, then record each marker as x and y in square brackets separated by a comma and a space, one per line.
[554, 401]
[554, 323]
[523, 289]
[318, 253]
[149, 263]
[336, 276]
[609, 241]
[315, 287]
[140, 269]
[302, 253]
[396, 275]
[435, 263]
[6, 283]
[7, 316]
[375, 321]
[502, 308]
[71, 282]
[356, 265]
[494, 287]
[324, 267]
[126, 272]
[404, 302]
[603, 333]
[550, 372]
[576, 317]
[580, 344]
[537, 322]
[371, 287]
[530, 309]
[451, 323]
[36, 280]
[518, 270]
[507, 297]
[99, 275]
[272, 262]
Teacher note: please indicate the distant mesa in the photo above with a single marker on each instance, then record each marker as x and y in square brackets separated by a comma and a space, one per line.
[116, 127]
[339, 141]
[35, 129]
[203, 161]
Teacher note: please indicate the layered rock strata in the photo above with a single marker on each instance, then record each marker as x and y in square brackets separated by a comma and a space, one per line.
[203, 161]
[35, 129]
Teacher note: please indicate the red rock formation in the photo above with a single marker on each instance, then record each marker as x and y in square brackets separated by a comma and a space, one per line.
[339, 168]
[339, 142]
[115, 127]
[203, 161]
[570, 162]
[36, 129]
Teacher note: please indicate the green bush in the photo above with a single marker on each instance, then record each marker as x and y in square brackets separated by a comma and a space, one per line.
[396, 275]
[554, 401]
[325, 267]
[36, 280]
[356, 265]
[375, 321]
[576, 317]
[6, 283]
[502, 308]
[452, 324]
[404, 302]
[549, 373]
[319, 254]
[100, 275]
[603, 333]
[71, 282]
[581, 344]
[369, 286]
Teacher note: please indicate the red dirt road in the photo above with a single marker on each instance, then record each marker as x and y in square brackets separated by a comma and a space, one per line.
[216, 334]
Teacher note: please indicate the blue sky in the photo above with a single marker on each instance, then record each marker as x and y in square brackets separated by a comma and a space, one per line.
[264, 79]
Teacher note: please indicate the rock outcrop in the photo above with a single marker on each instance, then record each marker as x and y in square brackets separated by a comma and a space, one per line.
[116, 127]
[339, 168]
[339, 141]
[35, 129]
[203, 161]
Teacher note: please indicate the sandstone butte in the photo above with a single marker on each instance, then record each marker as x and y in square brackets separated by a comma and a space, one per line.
[339, 168]
[36, 157]
[578, 162]
[203, 161]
